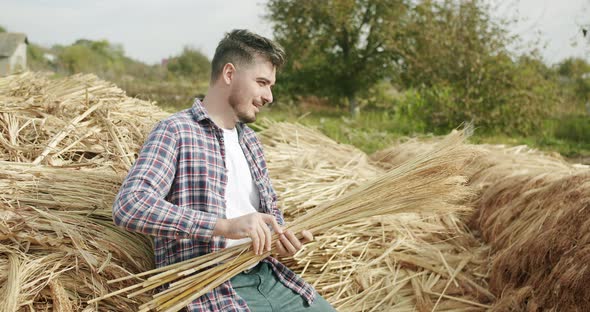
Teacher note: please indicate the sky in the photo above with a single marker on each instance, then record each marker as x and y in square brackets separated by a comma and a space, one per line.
[150, 30]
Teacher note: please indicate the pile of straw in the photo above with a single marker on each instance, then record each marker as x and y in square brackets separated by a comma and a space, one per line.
[307, 168]
[65, 146]
[58, 260]
[78, 120]
[532, 209]
[338, 263]
[427, 183]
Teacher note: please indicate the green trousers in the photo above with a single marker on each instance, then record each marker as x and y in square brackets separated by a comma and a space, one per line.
[262, 291]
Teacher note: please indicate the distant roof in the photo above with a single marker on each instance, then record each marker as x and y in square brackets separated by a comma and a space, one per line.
[10, 41]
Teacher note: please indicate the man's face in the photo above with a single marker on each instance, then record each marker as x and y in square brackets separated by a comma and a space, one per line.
[251, 89]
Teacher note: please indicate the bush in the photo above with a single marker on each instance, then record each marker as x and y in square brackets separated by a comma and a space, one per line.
[574, 129]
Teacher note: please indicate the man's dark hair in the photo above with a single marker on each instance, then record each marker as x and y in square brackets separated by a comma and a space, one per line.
[240, 47]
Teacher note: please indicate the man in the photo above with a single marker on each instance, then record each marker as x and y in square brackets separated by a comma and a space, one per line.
[200, 183]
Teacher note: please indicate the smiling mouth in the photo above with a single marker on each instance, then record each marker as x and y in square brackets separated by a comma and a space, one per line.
[258, 106]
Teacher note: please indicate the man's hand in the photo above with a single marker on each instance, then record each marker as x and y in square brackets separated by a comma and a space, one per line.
[288, 244]
[253, 225]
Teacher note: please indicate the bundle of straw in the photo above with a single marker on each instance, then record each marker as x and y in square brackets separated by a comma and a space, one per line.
[74, 120]
[429, 181]
[58, 260]
[58, 188]
[398, 153]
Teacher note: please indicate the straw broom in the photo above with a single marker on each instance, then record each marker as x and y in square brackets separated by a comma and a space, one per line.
[429, 180]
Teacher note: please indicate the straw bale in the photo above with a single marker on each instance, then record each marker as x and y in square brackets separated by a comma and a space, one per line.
[531, 210]
[74, 120]
[58, 188]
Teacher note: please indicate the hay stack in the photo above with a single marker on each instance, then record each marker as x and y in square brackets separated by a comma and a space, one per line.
[407, 263]
[65, 146]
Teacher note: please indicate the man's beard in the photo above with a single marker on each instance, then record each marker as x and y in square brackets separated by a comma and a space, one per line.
[243, 117]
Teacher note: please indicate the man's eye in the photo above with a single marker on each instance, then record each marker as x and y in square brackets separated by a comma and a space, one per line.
[261, 83]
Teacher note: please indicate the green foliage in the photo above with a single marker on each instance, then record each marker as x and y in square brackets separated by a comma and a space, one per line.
[574, 128]
[2, 29]
[574, 74]
[452, 53]
[455, 55]
[99, 57]
[336, 47]
[191, 64]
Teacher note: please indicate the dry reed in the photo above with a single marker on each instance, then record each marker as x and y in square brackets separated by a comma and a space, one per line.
[63, 259]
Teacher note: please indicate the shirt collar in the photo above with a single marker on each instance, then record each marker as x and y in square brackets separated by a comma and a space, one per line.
[201, 114]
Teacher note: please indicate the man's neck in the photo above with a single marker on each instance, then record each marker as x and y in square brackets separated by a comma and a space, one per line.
[219, 109]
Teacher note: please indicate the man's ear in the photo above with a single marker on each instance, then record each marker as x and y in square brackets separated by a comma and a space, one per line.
[228, 73]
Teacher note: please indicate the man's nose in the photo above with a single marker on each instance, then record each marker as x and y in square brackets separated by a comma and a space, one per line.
[267, 96]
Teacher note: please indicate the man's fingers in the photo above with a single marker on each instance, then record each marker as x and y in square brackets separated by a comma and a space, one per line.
[307, 236]
[280, 249]
[255, 241]
[270, 219]
[261, 240]
[287, 243]
[268, 237]
[294, 240]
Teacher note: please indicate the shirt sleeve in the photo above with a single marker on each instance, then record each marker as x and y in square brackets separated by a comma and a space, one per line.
[141, 205]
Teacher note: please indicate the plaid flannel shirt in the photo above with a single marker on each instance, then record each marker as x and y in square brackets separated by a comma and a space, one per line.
[175, 193]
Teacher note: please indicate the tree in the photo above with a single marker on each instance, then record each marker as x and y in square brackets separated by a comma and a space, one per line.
[575, 73]
[191, 63]
[337, 48]
[2, 29]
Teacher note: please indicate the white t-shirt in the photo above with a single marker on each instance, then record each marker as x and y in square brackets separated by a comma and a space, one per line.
[241, 193]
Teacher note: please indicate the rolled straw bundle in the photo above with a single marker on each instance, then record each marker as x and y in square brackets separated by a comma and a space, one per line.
[74, 120]
[429, 181]
[58, 188]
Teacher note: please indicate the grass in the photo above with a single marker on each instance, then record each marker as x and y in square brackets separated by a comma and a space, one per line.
[374, 130]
